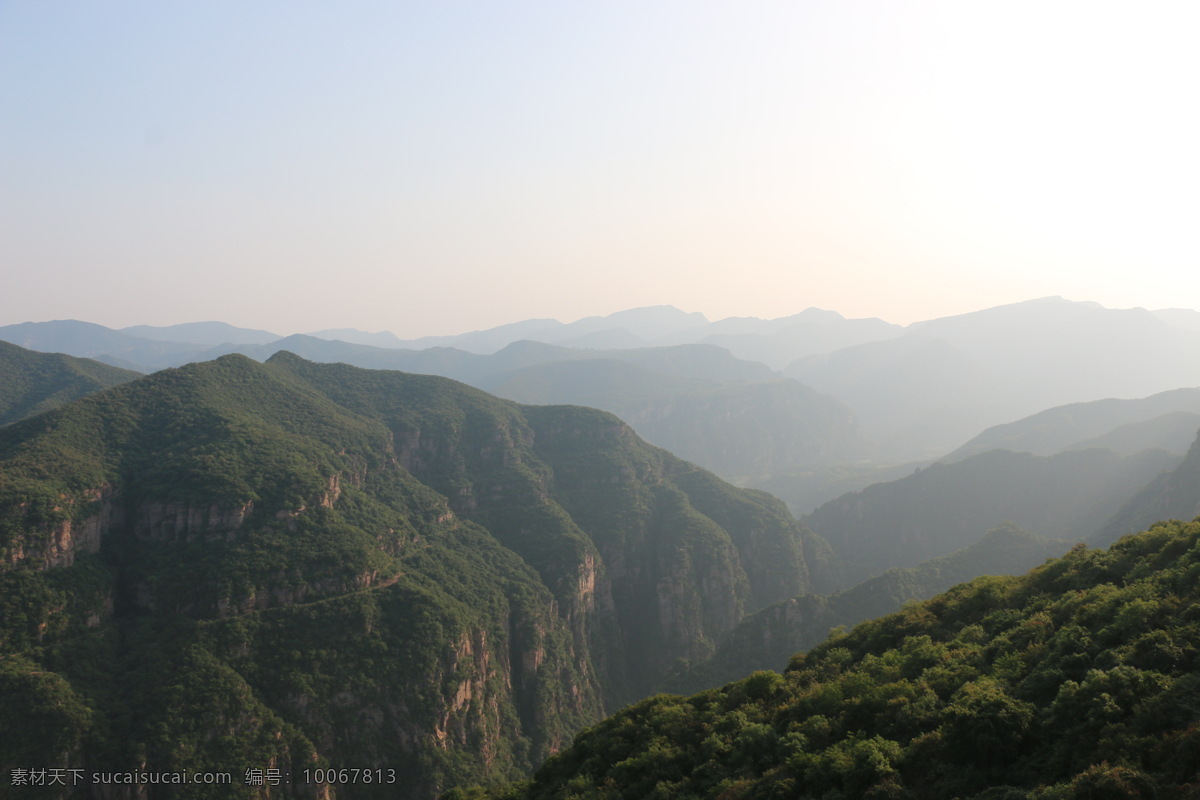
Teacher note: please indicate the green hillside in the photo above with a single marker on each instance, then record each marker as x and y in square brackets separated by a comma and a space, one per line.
[32, 382]
[1079, 680]
[234, 566]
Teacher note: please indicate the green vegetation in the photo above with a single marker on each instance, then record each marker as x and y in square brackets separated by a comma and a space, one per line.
[234, 566]
[1079, 680]
[36, 382]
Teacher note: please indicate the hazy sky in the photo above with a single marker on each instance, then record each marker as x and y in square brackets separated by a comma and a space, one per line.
[439, 166]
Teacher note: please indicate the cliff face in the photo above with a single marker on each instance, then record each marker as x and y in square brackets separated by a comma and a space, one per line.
[50, 534]
[307, 565]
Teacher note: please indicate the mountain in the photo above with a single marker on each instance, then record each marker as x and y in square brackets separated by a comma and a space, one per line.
[309, 347]
[704, 362]
[634, 327]
[649, 324]
[779, 342]
[35, 382]
[210, 333]
[734, 428]
[87, 340]
[1078, 424]
[354, 336]
[766, 639]
[944, 507]
[776, 342]
[297, 566]
[808, 488]
[486, 341]
[1186, 318]
[1166, 432]
[1076, 681]
[1171, 495]
[910, 393]
[733, 416]
[922, 393]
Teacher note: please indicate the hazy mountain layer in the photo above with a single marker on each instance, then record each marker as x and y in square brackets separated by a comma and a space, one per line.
[1078, 680]
[701, 362]
[945, 507]
[1171, 495]
[237, 565]
[32, 382]
[1168, 432]
[86, 340]
[202, 333]
[923, 393]
[734, 428]
[776, 342]
[779, 342]
[1080, 425]
[807, 489]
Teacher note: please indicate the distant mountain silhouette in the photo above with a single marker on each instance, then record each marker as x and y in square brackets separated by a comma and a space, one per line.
[88, 340]
[1070, 495]
[775, 342]
[1084, 424]
[941, 382]
[734, 427]
[210, 333]
[1171, 495]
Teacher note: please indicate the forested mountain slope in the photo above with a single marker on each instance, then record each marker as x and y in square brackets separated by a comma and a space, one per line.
[32, 382]
[1079, 680]
[236, 566]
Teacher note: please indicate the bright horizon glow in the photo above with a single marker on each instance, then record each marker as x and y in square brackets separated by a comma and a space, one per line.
[434, 170]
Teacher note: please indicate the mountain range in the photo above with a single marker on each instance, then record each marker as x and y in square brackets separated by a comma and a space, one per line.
[266, 557]
[352, 566]
[915, 393]
[925, 392]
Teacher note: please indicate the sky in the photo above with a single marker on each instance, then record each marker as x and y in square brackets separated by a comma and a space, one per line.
[437, 167]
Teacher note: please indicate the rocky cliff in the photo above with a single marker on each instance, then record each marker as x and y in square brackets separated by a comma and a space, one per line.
[295, 566]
